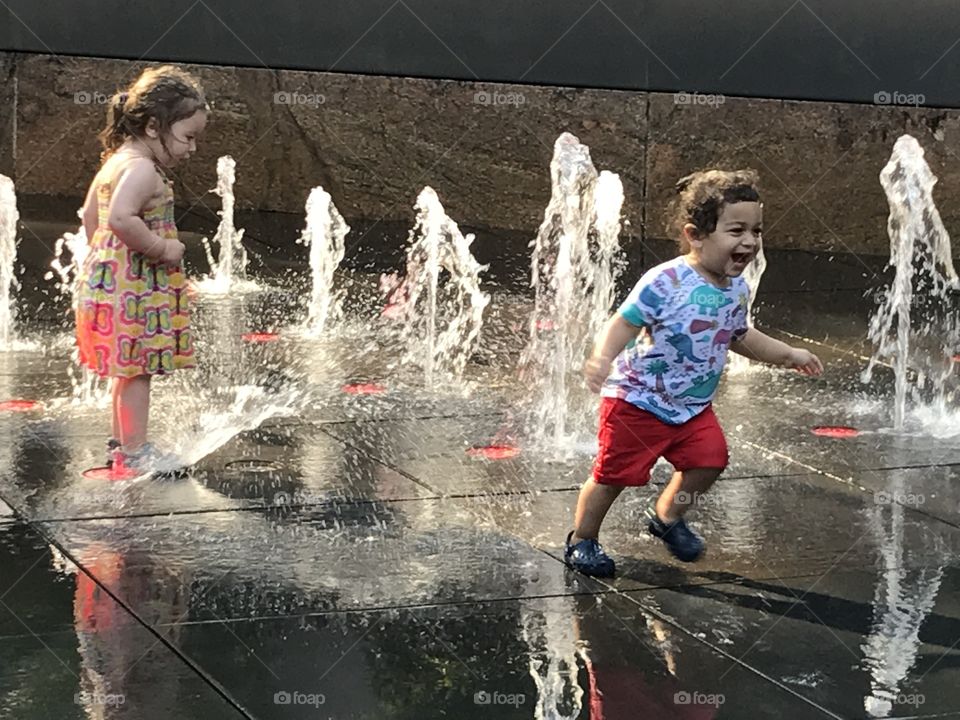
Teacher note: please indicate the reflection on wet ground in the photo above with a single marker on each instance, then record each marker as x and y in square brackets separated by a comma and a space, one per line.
[346, 554]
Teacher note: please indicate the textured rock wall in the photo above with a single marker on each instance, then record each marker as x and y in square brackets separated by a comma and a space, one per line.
[374, 142]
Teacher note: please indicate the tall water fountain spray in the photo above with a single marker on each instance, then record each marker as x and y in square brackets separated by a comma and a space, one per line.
[8, 255]
[914, 326]
[442, 309]
[324, 235]
[573, 273]
[229, 271]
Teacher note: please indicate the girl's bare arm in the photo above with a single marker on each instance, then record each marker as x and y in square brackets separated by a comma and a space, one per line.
[134, 189]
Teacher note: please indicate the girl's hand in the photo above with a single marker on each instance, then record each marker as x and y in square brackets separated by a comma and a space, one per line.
[596, 370]
[804, 361]
[172, 253]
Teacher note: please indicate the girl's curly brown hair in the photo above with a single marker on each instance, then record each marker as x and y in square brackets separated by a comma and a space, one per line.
[165, 93]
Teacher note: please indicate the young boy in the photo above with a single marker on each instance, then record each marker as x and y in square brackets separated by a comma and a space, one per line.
[657, 394]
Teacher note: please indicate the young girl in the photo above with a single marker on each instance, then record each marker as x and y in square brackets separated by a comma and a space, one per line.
[132, 315]
[657, 393]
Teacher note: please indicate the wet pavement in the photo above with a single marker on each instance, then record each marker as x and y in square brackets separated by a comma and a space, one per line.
[339, 550]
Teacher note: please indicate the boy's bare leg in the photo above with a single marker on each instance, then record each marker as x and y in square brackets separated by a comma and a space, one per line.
[592, 506]
[692, 483]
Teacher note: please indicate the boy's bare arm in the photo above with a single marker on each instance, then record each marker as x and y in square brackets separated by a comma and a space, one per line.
[613, 339]
[759, 346]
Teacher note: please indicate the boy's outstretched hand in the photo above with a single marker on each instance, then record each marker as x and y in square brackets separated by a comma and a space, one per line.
[805, 362]
[596, 370]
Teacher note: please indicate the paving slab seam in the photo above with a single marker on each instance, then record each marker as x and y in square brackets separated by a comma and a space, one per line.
[377, 460]
[199, 671]
[370, 501]
[910, 467]
[387, 608]
[366, 421]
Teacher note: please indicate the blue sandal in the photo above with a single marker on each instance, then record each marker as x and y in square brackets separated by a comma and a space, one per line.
[681, 541]
[588, 557]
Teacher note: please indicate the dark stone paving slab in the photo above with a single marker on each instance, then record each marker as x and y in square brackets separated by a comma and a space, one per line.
[336, 556]
[300, 464]
[33, 596]
[436, 451]
[370, 554]
[67, 650]
[861, 643]
[542, 657]
[440, 452]
[754, 528]
[776, 411]
[933, 491]
[296, 464]
[43, 479]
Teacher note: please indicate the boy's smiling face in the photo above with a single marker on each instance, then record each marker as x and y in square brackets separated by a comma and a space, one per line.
[734, 243]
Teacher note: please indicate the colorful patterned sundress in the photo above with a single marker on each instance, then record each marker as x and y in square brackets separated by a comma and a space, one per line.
[132, 313]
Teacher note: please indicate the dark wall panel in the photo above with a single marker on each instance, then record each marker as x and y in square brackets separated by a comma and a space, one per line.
[907, 53]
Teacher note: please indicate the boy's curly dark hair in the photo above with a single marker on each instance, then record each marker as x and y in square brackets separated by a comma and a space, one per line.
[702, 195]
[165, 93]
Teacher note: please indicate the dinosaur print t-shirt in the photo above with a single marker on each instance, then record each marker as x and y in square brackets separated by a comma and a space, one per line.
[672, 369]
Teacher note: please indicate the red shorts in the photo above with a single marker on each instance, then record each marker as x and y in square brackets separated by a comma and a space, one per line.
[631, 441]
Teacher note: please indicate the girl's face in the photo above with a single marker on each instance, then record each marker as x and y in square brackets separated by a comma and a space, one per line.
[728, 250]
[180, 142]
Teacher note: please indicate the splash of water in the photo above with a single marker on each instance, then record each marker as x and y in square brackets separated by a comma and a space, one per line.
[8, 255]
[229, 272]
[441, 317]
[573, 273]
[247, 407]
[88, 388]
[752, 274]
[66, 270]
[324, 235]
[913, 324]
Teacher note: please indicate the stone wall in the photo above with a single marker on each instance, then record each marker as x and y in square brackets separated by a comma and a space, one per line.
[375, 141]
